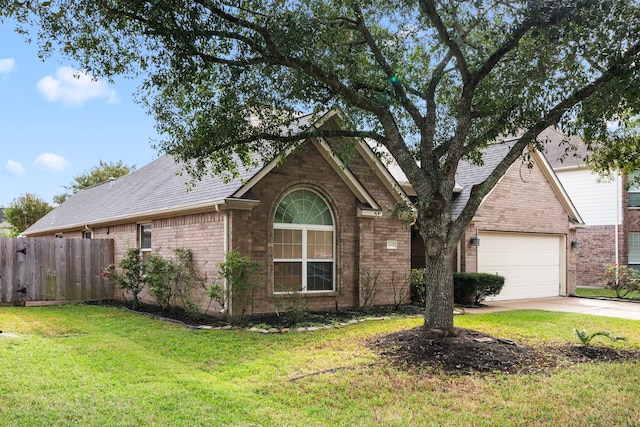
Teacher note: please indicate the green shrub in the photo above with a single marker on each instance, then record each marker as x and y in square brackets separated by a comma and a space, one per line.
[621, 279]
[128, 275]
[159, 277]
[475, 287]
[171, 283]
[418, 286]
[241, 274]
[586, 338]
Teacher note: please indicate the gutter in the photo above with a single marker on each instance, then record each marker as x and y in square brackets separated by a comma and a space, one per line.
[217, 205]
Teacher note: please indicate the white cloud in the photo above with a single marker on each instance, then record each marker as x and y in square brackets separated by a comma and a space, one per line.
[7, 65]
[50, 162]
[74, 88]
[14, 167]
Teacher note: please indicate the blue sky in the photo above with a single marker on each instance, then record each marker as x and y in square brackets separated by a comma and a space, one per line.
[54, 126]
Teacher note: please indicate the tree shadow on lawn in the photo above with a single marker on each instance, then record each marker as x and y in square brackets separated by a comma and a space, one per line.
[466, 352]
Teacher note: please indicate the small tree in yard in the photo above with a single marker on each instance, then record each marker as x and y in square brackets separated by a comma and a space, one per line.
[240, 274]
[128, 275]
[621, 279]
[433, 81]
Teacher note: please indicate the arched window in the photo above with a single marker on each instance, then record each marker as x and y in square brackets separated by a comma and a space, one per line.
[303, 244]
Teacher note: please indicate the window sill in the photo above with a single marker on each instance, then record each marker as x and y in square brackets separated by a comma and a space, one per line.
[311, 294]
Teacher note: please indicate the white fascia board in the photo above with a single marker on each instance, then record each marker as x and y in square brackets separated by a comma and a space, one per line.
[557, 186]
[279, 158]
[345, 174]
[383, 173]
[217, 205]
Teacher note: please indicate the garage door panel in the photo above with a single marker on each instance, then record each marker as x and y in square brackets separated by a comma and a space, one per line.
[530, 263]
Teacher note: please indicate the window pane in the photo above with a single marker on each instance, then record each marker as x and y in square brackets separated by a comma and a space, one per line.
[287, 276]
[634, 200]
[319, 244]
[320, 276]
[303, 207]
[145, 236]
[634, 248]
[634, 183]
[287, 244]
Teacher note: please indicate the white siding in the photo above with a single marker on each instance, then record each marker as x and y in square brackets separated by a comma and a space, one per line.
[596, 199]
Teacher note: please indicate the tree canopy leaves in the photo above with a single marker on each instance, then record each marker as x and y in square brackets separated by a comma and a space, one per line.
[431, 80]
[24, 211]
[96, 175]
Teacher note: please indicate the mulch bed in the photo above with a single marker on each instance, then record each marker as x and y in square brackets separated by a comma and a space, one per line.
[473, 352]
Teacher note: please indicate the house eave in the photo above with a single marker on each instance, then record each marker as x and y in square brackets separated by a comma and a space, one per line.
[557, 187]
[215, 205]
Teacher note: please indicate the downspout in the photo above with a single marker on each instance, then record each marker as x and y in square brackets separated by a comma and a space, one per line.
[225, 247]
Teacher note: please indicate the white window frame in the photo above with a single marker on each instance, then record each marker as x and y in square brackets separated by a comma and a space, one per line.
[304, 260]
[633, 189]
[633, 245]
[140, 237]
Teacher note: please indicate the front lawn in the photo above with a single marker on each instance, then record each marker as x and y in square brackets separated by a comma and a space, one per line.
[98, 366]
[604, 293]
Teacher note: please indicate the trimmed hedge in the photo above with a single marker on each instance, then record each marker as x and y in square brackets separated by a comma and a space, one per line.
[475, 287]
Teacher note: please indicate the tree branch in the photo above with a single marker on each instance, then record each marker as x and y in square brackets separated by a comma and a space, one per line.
[409, 106]
[429, 8]
[552, 117]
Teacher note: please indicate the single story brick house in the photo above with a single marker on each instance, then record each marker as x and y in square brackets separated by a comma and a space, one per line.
[317, 224]
[322, 226]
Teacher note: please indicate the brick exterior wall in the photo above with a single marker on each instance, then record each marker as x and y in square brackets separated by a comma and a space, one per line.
[523, 206]
[361, 243]
[364, 245]
[597, 249]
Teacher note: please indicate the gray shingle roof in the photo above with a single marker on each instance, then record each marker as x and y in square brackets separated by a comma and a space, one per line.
[160, 185]
[468, 174]
[563, 151]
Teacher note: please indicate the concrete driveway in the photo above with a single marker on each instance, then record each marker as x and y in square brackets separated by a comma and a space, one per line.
[596, 307]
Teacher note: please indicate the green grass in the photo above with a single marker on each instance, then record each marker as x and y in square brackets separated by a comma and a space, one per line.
[96, 366]
[605, 293]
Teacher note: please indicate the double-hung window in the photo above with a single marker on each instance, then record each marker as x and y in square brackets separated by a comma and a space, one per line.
[144, 236]
[303, 244]
[634, 250]
[634, 190]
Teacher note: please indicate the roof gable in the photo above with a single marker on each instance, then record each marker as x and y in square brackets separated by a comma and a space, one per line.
[163, 188]
[468, 175]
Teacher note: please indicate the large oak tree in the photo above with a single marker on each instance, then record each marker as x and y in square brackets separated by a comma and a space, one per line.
[434, 81]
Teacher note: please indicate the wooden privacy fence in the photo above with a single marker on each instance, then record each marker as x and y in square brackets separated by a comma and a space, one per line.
[48, 269]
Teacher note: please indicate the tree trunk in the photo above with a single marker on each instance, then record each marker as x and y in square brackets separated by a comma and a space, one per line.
[438, 277]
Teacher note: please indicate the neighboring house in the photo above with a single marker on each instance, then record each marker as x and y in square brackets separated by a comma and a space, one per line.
[611, 214]
[317, 224]
[522, 230]
[320, 225]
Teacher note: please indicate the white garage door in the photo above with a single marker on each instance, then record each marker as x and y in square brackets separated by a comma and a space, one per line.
[530, 263]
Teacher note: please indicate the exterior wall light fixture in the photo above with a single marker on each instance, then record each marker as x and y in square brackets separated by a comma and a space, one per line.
[575, 244]
[475, 240]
